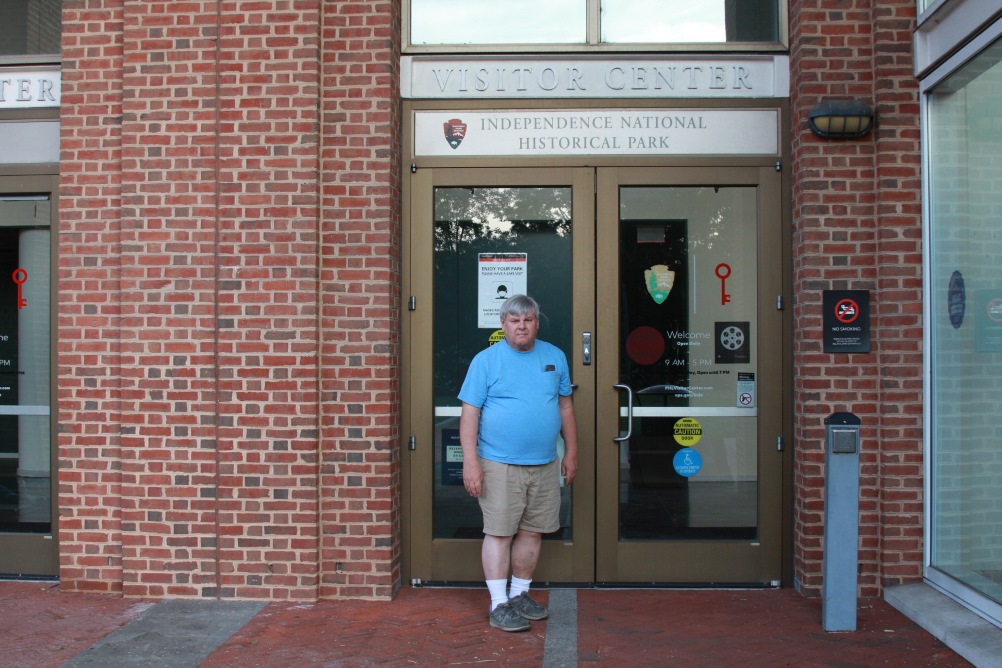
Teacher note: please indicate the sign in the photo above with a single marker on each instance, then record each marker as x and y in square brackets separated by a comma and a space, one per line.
[687, 462]
[452, 458]
[659, 77]
[732, 342]
[846, 321]
[988, 332]
[746, 389]
[501, 275]
[29, 89]
[533, 133]
[687, 431]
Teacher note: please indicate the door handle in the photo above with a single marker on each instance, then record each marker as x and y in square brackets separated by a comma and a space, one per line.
[586, 348]
[629, 413]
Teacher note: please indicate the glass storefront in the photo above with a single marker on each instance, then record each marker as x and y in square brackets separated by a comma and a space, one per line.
[24, 365]
[964, 157]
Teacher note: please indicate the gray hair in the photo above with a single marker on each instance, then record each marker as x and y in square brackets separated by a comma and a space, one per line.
[519, 305]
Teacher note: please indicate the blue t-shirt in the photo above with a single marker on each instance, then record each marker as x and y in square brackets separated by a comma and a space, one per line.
[518, 394]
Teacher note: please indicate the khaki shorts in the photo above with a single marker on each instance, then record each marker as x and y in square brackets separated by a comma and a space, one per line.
[517, 497]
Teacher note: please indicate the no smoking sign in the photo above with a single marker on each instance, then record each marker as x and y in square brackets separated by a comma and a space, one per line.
[846, 320]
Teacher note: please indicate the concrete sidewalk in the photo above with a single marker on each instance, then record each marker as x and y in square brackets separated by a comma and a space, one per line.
[43, 626]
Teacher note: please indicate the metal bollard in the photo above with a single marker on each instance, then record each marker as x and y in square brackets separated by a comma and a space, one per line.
[841, 533]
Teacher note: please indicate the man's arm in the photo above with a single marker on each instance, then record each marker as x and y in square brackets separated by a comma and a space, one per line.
[569, 430]
[469, 429]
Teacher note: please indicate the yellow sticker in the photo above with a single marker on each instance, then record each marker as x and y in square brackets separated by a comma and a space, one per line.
[496, 337]
[688, 432]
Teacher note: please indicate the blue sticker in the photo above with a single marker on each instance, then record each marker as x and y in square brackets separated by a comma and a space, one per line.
[687, 462]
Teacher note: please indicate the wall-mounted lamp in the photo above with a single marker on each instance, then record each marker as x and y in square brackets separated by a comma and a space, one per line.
[841, 119]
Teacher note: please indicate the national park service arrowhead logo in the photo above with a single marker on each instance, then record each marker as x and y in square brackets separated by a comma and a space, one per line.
[660, 281]
[455, 131]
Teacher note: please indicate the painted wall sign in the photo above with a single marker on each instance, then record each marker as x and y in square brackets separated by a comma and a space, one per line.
[501, 275]
[462, 77]
[547, 132]
[29, 89]
[846, 321]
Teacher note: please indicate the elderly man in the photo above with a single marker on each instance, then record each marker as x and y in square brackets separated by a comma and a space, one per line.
[516, 400]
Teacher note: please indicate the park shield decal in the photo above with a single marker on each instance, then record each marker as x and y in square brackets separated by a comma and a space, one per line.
[455, 132]
[660, 281]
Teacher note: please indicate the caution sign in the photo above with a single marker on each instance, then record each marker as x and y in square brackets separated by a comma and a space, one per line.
[687, 432]
[496, 337]
[846, 321]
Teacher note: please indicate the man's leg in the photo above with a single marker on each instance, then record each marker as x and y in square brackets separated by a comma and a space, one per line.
[525, 553]
[495, 555]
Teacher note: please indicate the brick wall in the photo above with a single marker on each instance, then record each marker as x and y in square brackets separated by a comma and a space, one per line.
[857, 225]
[228, 272]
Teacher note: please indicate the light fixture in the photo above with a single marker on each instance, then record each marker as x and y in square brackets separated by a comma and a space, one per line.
[841, 119]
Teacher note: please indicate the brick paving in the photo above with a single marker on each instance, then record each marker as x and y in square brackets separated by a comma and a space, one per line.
[46, 627]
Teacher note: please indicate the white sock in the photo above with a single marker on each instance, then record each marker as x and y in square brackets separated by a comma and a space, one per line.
[518, 585]
[497, 590]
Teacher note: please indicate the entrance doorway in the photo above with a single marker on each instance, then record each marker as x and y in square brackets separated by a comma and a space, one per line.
[661, 285]
[27, 546]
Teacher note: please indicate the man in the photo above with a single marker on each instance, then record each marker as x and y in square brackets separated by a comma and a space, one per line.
[516, 400]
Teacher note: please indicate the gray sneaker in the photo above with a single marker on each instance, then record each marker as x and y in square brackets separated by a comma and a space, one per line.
[505, 618]
[526, 607]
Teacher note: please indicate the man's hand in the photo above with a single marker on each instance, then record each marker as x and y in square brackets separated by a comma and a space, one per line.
[569, 467]
[469, 427]
[473, 476]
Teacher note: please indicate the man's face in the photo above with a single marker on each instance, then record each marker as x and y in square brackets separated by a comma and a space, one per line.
[520, 330]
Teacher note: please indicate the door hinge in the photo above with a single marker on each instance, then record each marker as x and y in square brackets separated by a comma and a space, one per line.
[412, 303]
[779, 302]
[779, 443]
[412, 443]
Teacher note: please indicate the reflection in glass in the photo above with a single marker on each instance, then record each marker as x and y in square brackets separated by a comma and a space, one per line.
[24, 366]
[468, 222]
[966, 325]
[682, 21]
[493, 22]
[30, 27]
[689, 469]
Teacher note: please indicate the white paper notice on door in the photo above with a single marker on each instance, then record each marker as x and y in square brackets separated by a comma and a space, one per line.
[501, 275]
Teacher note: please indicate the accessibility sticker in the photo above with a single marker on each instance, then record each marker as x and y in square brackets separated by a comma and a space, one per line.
[687, 462]
[687, 432]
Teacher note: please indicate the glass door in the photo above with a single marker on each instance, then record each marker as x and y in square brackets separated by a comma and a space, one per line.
[689, 359]
[26, 497]
[672, 276]
[478, 236]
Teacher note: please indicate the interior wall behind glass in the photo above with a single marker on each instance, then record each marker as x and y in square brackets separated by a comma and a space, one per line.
[965, 303]
[30, 27]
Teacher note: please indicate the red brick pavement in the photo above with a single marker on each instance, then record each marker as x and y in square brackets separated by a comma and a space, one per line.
[42, 626]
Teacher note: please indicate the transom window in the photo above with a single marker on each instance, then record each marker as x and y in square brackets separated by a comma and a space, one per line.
[593, 22]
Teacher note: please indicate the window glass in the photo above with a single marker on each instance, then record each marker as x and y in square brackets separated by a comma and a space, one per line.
[25, 440]
[460, 22]
[494, 22]
[491, 243]
[965, 306]
[30, 27]
[684, 21]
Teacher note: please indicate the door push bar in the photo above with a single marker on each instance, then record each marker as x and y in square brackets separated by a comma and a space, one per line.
[629, 413]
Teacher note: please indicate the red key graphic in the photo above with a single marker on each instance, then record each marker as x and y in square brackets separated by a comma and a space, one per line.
[722, 271]
[20, 276]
